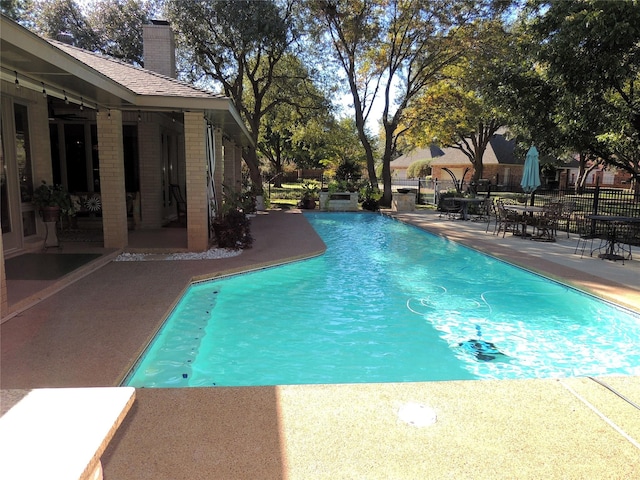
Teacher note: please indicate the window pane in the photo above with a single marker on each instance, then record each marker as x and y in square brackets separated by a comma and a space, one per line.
[4, 194]
[23, 153]
[76, 158]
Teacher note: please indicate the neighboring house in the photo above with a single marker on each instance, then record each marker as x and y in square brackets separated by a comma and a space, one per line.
[400, 165]
[112, 133]
[604, 176]
[500, 165]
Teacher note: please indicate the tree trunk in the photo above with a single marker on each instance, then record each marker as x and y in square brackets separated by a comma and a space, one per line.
[250, 157]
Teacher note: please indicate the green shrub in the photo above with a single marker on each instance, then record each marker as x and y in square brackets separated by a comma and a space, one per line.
[419, 169]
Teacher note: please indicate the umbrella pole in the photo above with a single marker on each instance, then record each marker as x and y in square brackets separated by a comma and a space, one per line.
[533, 196]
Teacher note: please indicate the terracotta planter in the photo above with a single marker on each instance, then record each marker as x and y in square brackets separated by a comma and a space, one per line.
[50, 214]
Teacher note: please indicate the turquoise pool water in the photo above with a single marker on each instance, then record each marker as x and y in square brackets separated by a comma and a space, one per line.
[386, 303]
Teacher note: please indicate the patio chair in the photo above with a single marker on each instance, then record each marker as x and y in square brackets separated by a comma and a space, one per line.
[585, 235]
[482, 211]
[492, 214]
[629, 235]
[451, 208]
[506, 220]
[546, 225]
[566, 214]
[181, 203]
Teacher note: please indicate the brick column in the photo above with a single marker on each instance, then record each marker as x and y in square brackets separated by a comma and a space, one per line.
[195, 130]
[218, 172]
[112, 187]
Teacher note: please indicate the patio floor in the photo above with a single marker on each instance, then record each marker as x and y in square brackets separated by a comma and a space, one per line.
[87, 333]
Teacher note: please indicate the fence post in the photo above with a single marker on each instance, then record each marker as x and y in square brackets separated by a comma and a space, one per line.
[596, 198]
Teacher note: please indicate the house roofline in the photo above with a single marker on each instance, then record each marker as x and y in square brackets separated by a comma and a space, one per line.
[39, 62]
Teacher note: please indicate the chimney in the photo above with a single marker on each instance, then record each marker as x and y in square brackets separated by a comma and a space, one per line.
[65, 37]
[159, 48]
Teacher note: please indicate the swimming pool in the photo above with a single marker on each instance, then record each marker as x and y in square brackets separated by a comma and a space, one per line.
[387, 302]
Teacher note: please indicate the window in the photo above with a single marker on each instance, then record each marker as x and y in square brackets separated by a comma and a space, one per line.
[23, 153]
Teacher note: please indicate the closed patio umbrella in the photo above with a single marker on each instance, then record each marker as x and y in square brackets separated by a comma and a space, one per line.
[531, 175]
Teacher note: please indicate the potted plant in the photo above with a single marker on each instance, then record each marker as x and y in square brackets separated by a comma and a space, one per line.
[370, 198]
[309, 196]
[52, 200]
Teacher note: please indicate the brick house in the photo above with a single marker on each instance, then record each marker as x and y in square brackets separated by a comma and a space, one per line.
[500, 165]
[110, 132]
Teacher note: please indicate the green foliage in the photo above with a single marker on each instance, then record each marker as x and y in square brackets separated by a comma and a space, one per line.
[310, 190]
[397, 48]
[459, 110]
[17, 10]
[370, 197]
[53, 196]
[419, 169]
[342, 144]
[243, 47]
[233, 230]
[348, 171]
[582, 95]
[294, 129]
[110, 27]
[231, 226]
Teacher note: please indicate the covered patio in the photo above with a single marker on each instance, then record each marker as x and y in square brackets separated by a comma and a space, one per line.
[116, 136]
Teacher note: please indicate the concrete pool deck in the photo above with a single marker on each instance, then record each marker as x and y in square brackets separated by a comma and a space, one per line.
[89, 333]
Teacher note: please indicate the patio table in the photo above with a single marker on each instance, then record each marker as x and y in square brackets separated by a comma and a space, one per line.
[611, 247]
[523, 209]
[465, 201]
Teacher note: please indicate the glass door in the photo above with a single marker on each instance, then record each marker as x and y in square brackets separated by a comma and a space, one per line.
[10, 194]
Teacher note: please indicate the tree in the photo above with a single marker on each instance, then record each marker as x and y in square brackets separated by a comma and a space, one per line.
[287, 131]
[240, 45]
[17, 10]
[591, 51]
[456, 112]
[394, 48]
[63, 16]
[117, 26]
[110, 27]
[344, 152]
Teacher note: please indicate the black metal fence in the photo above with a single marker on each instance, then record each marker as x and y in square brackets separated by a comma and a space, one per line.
[591, 201]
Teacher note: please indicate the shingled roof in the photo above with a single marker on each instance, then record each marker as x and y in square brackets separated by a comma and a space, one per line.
[139, 80]
[499, 151]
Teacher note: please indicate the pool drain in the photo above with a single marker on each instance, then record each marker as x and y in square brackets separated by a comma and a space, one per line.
[417, 415]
